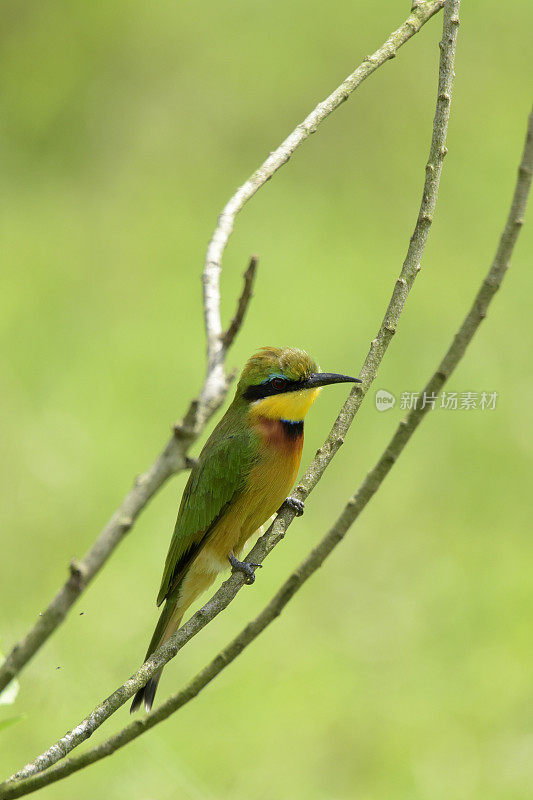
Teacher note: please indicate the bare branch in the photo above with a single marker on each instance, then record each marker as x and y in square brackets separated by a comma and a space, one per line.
[356, 504]
[174, 458]
[325, 454]
[249, 277]
[171, 460]
[277, 159]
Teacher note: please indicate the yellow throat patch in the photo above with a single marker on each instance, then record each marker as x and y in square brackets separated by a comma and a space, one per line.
[292, 406]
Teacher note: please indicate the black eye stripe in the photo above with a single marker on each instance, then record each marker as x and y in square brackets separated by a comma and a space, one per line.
[261, 390]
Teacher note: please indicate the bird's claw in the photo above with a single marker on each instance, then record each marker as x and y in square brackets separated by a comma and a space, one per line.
[295, 505]
[246, 567]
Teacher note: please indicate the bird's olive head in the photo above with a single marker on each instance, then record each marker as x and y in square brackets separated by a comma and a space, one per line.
[284, 381]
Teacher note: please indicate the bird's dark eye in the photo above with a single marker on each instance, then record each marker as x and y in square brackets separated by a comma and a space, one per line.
[279, 383]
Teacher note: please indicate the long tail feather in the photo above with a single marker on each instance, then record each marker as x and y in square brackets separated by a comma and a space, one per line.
[146, 694]
[164, 629]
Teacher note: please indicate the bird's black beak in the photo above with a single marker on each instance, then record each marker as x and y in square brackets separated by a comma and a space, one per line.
[317, 379]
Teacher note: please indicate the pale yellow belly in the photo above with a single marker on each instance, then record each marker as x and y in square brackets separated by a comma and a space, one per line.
[270, 482]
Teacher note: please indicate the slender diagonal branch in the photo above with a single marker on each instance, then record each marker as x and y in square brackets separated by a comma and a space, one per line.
[325, 454]
[335, 535]
[174, 457]
[244, 300]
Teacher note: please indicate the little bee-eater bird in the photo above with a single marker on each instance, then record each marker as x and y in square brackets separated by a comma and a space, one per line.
[242, 477]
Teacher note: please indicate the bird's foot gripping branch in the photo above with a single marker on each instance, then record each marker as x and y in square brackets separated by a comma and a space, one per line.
[247, 568]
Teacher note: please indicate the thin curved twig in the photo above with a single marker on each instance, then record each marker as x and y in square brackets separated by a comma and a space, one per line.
[355, 506]
[325, 454]
[174, 457]
[249, 276]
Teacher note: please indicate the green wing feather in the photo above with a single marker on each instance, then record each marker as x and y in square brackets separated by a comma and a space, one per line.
[218, 478]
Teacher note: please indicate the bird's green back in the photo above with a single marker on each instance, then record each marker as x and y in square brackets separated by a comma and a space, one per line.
[217, 479]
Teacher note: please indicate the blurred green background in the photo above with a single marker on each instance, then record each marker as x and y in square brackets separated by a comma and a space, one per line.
[402, 671]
